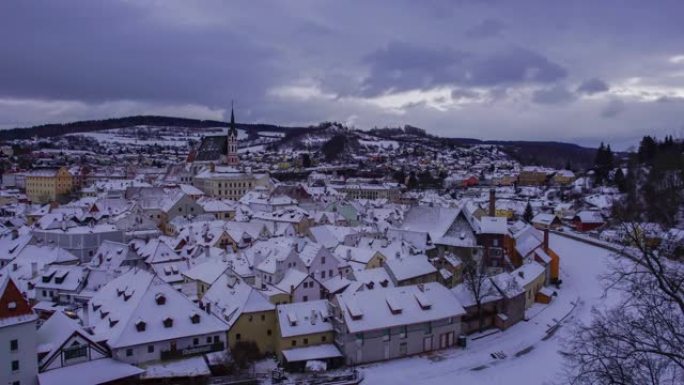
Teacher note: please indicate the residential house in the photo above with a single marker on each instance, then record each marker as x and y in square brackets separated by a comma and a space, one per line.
[305, 332]
[143, 319]
[388, 323]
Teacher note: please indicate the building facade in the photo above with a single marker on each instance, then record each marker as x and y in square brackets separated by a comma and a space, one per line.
[44, 186]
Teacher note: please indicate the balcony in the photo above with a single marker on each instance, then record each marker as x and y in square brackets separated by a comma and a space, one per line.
[191, 351]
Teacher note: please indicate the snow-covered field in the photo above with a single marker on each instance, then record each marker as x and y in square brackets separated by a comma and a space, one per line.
[543, 364]
[181, 139]
[384, 144]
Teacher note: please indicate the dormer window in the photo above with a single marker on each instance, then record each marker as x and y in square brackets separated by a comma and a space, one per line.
[160, 299]
[168, 322]
[12, 305]
[195, 318]
[140, 326]
[113, 322]
[103, 314]
[96, 307]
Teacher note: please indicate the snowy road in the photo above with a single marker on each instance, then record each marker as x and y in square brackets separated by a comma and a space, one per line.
[538, 360]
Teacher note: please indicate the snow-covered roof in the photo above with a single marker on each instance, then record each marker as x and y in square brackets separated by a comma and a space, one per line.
[302, 318]
[528, 272]
[410, 267]
[390, 307]
[100, 371]
[318, 352]
[493, 225]
[230, 297]
[131, 310]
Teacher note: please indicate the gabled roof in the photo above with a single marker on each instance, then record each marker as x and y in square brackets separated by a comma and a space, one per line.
[371, 309]
[229, 297]
[137, 298]
[304, 318]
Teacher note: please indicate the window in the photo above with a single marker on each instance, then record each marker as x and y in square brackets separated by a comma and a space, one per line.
[268, 332]
[195, 341]
[15, 365]
[323, 338]
[168, 322]
[237, 337]
[250, 318]
[306, 341]
[294, 342]
[129, 352]
[150, 348]
[306, 298]
[216, 339]
[263, 317]
[14, 345]
[75, 351]
[322, 260]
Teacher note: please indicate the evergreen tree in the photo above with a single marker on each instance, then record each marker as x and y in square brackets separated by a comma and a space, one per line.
[620, 181]
[528, 214]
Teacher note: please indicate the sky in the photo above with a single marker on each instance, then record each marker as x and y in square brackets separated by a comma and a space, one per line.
[575, 71]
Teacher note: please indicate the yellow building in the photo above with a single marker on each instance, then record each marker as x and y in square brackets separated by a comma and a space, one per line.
[247, 313]
[564, 177]
[258, 326]
[226, 182]
[302, 325]
[43, 186]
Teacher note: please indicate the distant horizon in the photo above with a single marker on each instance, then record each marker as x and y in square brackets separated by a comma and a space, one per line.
[616, 146]
[580, 72]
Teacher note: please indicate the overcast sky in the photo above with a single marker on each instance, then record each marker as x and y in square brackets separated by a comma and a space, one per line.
[579, 71]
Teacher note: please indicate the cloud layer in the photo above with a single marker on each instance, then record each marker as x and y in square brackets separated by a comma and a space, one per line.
[584, 72]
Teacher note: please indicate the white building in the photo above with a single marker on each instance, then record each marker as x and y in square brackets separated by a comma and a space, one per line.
[18, 359]
[143, 319]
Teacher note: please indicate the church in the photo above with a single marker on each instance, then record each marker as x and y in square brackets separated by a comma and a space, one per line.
[218, 149]
[214, 167]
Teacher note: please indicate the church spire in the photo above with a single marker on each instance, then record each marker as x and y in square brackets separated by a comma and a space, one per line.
[232, 115]
[231, 140]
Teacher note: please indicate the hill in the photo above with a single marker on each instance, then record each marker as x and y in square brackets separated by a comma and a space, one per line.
[552, 154]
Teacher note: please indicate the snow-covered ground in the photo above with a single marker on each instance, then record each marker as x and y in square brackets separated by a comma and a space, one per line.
[543, 364]
[121, 136]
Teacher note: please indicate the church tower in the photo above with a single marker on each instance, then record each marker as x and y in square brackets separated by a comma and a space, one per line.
[231, 148]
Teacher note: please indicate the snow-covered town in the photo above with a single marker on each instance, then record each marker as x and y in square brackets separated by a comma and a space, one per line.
[206, 268]
[313, 192]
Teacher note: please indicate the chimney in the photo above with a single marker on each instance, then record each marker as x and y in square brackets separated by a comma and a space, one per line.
[492, 202]
[546, 239]
[212, 167]
[34, 269]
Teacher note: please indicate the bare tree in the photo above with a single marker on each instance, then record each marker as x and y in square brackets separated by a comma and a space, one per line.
[476, 280]
[639, 340]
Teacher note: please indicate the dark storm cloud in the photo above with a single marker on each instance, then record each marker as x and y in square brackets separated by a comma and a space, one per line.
[507, 65]
[400, 66]
[485, 29]
[592, 86]
[98, 51]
